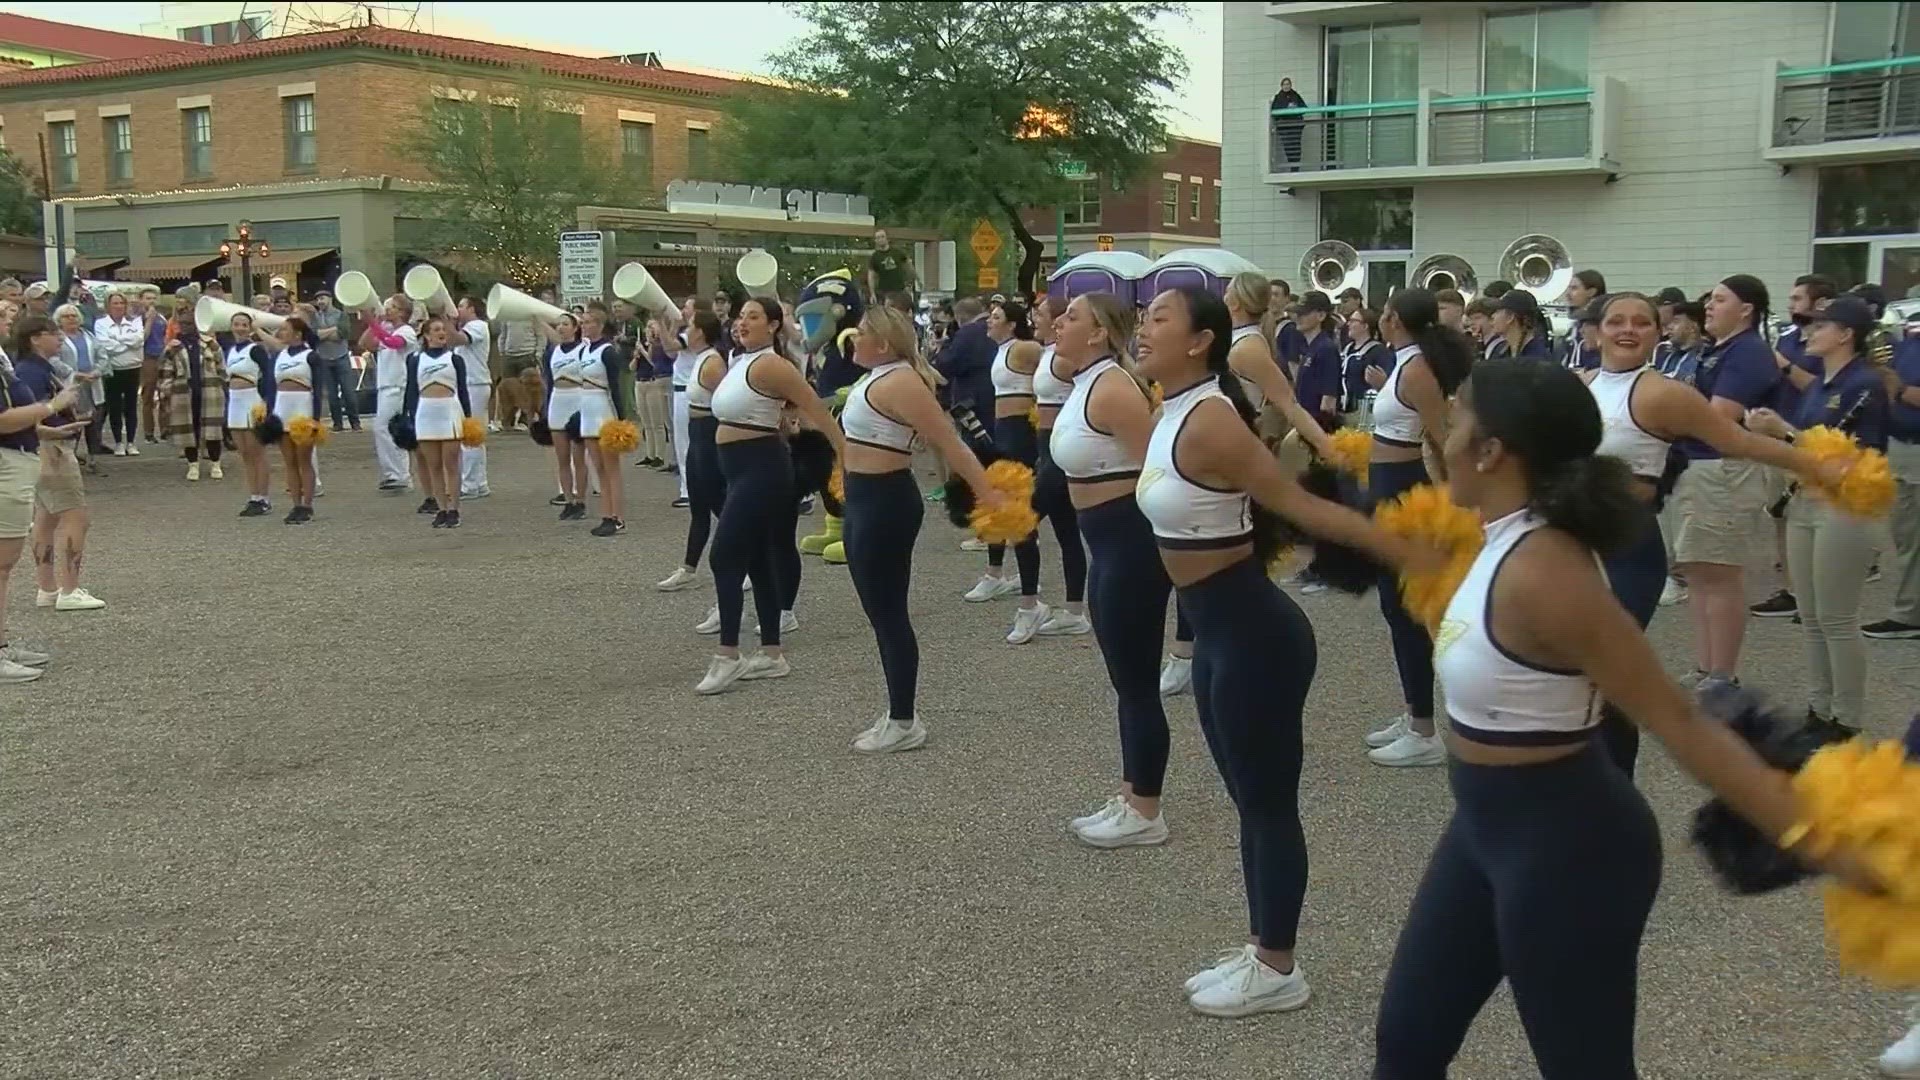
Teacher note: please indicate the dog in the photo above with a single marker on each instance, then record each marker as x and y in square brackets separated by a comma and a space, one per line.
[518, 398]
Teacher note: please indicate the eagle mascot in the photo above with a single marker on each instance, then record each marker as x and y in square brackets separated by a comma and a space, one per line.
[829, 310]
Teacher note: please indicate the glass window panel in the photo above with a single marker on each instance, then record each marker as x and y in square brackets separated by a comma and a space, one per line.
[1868, 200]
[696, 153]
[186, 239]
[101, 243]
[1349, 70]
[1846, 264]
[66, 155]
[1193, 202]
[1863, 31]
[299, 233]
[1170, 202]
[1371, 219]
[1562, 48]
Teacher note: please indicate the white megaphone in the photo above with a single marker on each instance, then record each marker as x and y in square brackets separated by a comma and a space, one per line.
[353, 291]
[422, 283]
[636, 286]
[214, 315]
[759, 274]
[506, 302]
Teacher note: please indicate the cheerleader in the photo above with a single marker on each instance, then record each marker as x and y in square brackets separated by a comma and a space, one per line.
[391, 338]
[706, 490]
[603, 400]
[247, 385]
[1254, 651]
[1014, 362]
[1546, 872]
[437, 402]
[888, 410]
[295, 397]
[1050, 497]
[472, 338]
[562, 369]
[1516, 328]
[755, 530]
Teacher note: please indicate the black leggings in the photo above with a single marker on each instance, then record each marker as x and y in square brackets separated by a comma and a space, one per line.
[1253, 661]
[1051, 501]
[1412, 648]
[1637, 575]
[1544, 877]
[880, 521]
[747, 538]
[123, 404]
[1013, 437]
[706, 488]
[1129, 612]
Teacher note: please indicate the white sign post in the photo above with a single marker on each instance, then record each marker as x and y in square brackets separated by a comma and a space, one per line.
[582, 267]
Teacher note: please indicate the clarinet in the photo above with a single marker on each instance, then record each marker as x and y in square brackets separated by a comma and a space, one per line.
[1846, 423]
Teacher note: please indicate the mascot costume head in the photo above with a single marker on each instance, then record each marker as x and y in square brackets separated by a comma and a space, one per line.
[829, 311]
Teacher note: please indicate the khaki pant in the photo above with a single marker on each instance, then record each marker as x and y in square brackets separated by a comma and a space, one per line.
[1827, 554]
[1718, 505]
[19, 476]
[1905, 523]
[655, 399]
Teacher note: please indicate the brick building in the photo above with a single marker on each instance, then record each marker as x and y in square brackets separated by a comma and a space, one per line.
[1174, 203]
[29, 42]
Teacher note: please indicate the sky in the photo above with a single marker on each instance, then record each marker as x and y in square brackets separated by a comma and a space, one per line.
[730, 37]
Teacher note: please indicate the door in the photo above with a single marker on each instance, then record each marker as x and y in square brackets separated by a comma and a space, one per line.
[1897, 267]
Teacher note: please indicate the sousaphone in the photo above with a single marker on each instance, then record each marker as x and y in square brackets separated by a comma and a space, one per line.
[1437, 272]
[1539, 264]
[1333, 267]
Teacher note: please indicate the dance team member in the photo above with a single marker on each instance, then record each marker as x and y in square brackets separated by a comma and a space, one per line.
[602, 399]
[248, 366]
[60, 504]
[1546, 872]
[1050, 496]
[295, 397]
[436, 401]
[887, 410]
[755, 531]
[391, 338]
[1254, 651]
[684, 362]
[1015, 359]
[23, 419]
[474, 341]
[700, 471]
[561, 369]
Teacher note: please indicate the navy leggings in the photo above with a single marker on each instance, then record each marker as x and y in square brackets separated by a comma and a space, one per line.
[706, 488]
[1253, 661]
[1412, 648]
[1052, 501]
[755, 523]
[1013, 437]
[879, 523]
[1543, 877]
[1637, 574]
[1129, 610]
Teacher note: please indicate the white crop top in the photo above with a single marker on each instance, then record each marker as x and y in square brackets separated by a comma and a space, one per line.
[737, 404]
[1084, 452]
[1049, 389]
[1006, 381]
[1621, 435]
[698, 396]
[593, 364]
[1255, 396]
[685, 364]
[436, 369]
[1394, 421]
[567, 362]
[242, 365]
[867, 425]
[294, 367]
[1186, 514]
[1493, 697]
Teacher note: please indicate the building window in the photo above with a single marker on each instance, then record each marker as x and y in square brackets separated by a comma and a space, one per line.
[1530, 51]
[119, 131]
[1193, 201]
[1083, 206]
[1874, 32]
[299, 233]
[251, 28]
[636, 149]
[65, 147]
[565, 137]
[1373, 64]
[1867, 200]
[1216, 202]
[196, 128]
[101, 243]
[1371, 219]
[696, 153]
[1169, 202]
[186, 239]
[303, 146]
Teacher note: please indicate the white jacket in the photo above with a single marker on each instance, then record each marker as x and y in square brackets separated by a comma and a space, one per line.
[119, 346]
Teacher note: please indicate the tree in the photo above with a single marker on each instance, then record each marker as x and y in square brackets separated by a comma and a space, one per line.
[948, 111]
[19, 197]
[510, 170]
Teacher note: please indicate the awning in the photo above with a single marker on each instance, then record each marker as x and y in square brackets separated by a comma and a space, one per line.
[93, 268]
[160, 271]
[290, 261]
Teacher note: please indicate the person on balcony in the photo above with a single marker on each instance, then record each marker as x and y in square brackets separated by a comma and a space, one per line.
[1287, 129]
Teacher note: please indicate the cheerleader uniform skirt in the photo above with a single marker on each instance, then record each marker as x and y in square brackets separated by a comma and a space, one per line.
[240, 403]
[596, 408]
[437, 419]
[561, 405]
[291, 405]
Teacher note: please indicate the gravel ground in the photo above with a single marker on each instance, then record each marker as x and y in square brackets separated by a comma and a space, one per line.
[362, 799]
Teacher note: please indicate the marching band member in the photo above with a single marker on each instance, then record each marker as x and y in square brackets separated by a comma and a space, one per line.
[602, 399]
[1050, 496]
[436, 399]
[560, 369]
[474, 342]
[296, 396]
[1517, 328]
[706, 488]
[24, 417]
[391, 338]
[60, 502]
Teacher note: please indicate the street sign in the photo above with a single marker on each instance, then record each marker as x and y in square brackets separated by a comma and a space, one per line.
[1073, 170]
[582, 267]
[985, 241]
[1104, 241]
[989, 277]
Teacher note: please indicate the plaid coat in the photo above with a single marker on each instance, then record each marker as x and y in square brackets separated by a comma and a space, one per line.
[194, 420]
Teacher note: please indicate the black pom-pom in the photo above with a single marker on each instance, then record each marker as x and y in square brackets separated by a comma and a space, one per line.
[1669, 477]
[960, 501]
[269, 430]
[975, 434]
[540, 432]
[1343, 569]
[813, 460]
[834, 507]
[573, 427]
[1049, 488]
[401, 428]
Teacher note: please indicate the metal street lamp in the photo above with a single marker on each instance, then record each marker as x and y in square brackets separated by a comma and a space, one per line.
[246, 247]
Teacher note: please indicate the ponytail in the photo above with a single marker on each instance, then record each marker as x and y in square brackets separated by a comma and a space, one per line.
[1590, 499]
[1448, 353]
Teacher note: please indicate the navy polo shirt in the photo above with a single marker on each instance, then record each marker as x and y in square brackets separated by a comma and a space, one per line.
[1904, 423]
[1855, 398]
[1319, 373]
[15, 392]
[1535, 347]
[1289, 344]
[1793, 346]
[1740, 369]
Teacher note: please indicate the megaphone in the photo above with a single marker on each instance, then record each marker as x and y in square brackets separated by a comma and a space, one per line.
[213, 315]
[103, 289]
[636, 286]
[505, 302]
[423, 285]
[353, 291]
[759, 274]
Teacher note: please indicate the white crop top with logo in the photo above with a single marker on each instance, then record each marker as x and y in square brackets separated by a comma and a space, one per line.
[1255, 396]
[294, 367]
[436, 369]
[1008, 383]
[1394, 421]
[242, 365]
[593, 364]
[566, 363]
[698, 396]
[1494, 697]
[685, 364]
[1621, 435]
[737, 404]
[867, 425]
[1049, 389]
[1186, 514]
[1084, 452]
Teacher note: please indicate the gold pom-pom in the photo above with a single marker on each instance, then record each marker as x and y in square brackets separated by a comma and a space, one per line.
[306, 431]
[1033, 415]
[472, 431]
[1865, 799]
[257, 413]
[837, 484]
[1015, 519]
[1427, 516]
[1867, 490]
[1156, 394]
[1351, 451]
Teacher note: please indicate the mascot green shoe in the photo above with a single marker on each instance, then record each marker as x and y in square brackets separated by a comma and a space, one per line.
[828, 536]
[836, 552]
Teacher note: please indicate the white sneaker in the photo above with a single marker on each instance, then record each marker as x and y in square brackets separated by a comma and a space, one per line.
[477, 493]
[119, 451]
[1176, 676]
[132, 451]
[1410, 750]
[789, 622]
[889, 736]
[193, 470]
[214, 472]
[1390, 734]
[1224, 965]
[762, 666]
[681, 578]
[721, 673]
[1902, 1059]
[44, 597]
[710, 624]
[1063, 623]
[973, 543]
[25, 657]
[990, 587]
[1112, 806]
[493, 425]
[1673, 593]
[1252, 987]
[78, 600]
[1128, 828]
[1026, 622]
[11, 672]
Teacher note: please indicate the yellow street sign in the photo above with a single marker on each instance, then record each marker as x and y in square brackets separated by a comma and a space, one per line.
[1104, 241]
[985, 241]
[989, 277]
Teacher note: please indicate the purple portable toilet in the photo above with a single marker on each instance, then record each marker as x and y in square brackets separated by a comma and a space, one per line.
[1116, 272]
[1209, 268]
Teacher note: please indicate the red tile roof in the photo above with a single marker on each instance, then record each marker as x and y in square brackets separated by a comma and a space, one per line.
[70, 40]
[388, 39]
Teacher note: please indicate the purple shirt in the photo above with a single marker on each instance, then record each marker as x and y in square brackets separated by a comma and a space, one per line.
[1740, 369]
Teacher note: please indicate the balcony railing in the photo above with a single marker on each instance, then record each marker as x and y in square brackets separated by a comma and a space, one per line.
[1871, 99]
[1539, 126]
[1371, 136]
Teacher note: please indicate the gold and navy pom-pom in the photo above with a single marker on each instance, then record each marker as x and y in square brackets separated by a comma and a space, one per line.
[1014, 519]
[837, 484]
[472, 431]
[1867, 490]
[1033, 416]
[1427, 516]
[257, 414]
[306, 431]
[1156, 395]
[1351, 451]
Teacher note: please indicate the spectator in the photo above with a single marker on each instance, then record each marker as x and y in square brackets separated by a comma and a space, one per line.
[333, 368]
[147, 308]
[889, 269]
[967, 361]
[118, 335]
[1287, 129]
[76, 352]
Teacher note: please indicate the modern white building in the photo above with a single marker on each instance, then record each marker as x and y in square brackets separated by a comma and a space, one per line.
[1662, 144]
